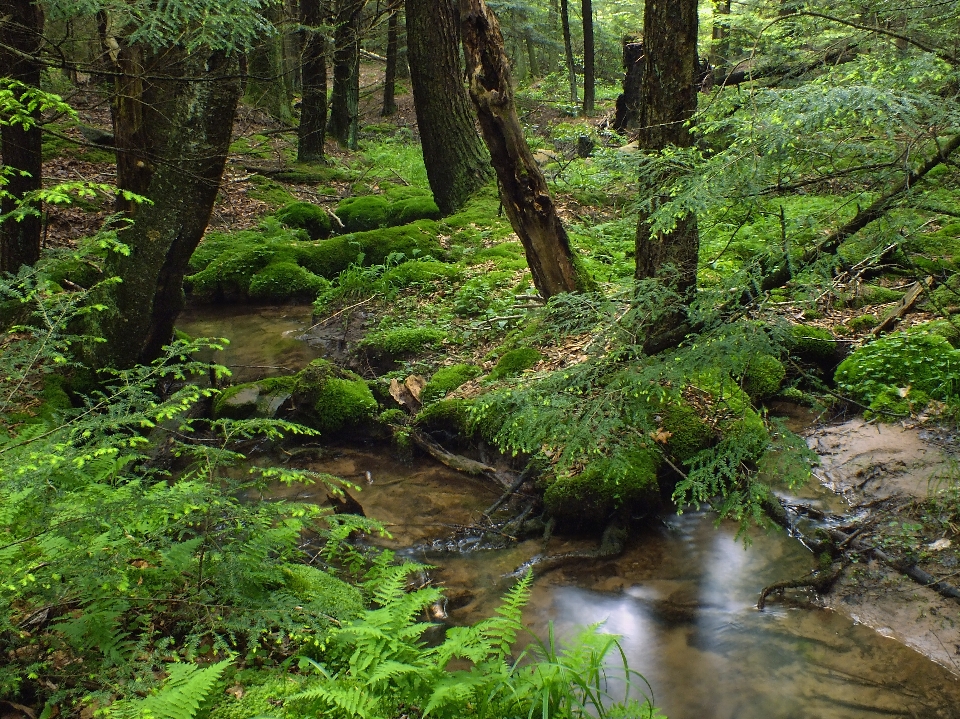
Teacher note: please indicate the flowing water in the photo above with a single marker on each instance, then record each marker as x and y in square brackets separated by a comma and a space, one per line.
[682, 596]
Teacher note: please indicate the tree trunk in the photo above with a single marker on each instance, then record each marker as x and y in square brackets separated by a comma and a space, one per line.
[568, 49]
[589, 81]
[628, 102]
[313, 107]
[22, 33]
[668, 100]
[345, 100]
[266, 85]
[191, 155]
[531, 54]
[390, 75]
[523, 189]
[453, 153]
[720, 50]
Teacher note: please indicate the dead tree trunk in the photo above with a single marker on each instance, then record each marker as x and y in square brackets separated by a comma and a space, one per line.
[523, 189]
[21, 29]
[628, 102]
[453, 153]
[313, 107]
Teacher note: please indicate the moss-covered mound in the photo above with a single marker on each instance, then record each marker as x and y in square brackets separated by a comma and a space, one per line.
[688, 432]
[589, 498]
[370, 212]
[447, 379]
[514, 362]
[763, 376]
[306, 216]
[332, 399]
[812, 344]
[224, 265]
[451, 415]
[399, 342]
[253, 399]
[901, 371]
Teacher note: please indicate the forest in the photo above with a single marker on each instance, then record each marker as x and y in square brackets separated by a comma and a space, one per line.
[479, 358]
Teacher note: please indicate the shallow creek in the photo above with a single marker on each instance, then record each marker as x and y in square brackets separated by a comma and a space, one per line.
[683, 595]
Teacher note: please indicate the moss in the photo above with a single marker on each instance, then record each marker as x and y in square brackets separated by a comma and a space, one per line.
[876, 295]
[229, 274]
[286, 280]
[452, 415]
[364, 213]
[54, 396]
[322, 592]
[447, 379]
[403, 340]
[688, 432]
[253, 399]
[413, 209]
[332, 399]
[862, 322]
[270, 192]
[590, 497]
[514, 362]
[813, 344]
[392, 416]
[763, 376]
[263, 694]
[893, 403]
[944, 328]
[330, 257]
[416, 272]
[307, 216]
[749, 433]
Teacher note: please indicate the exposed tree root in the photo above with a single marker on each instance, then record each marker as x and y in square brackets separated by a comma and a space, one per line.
[821, 581]
[611, 545]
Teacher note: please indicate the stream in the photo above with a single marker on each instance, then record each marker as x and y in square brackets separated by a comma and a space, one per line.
[682, 596]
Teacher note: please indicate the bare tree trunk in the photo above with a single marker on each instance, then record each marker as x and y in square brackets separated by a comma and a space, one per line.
[266, 85]
[453, 153]
[190, 154]
[390, 75]
[720, 50]
[345, 101]
[589, 77]
[21, 31]
[531, 54]
[568, 49]
[668, 100]
[313, 107]
[523, 189]
[628, 102]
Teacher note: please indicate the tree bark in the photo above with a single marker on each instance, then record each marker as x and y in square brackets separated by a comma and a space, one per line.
[534, 66]
[568, 49]
[190, 159]
[345, 100]
[720, 50]
[453, 153]
[266, 85]
[523, 189]
[390, 74]
[628, 102]
[589, 78]
[313, 107]
[22, 32]
[668, 100]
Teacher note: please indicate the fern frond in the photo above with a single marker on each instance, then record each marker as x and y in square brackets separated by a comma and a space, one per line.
[180, 697]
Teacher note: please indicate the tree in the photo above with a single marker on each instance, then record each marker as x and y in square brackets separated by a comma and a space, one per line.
[313, 107]
[453, 153]
[345, 101]
[390, 73]
[589, 77]
[523, 189]
[22, 36]
[668, 100]
[568, 49]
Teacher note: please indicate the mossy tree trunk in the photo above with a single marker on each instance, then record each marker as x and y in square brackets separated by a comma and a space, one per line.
[21, 34]
[568, 49]
[390, 74]
[266, 84]
[190, 156]
[457, 164]
[523, 189]
[668, 99]
[589, 76]
[311, 134]
[345, 100]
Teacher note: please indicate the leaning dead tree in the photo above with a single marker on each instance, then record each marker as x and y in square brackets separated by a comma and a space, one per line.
[523, 188]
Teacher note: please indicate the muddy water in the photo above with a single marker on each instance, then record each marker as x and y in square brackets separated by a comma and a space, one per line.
[683, 597]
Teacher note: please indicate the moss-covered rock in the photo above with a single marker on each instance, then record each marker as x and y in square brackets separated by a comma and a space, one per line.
[763, 376]
[893, 404]
[401, 341]
[413, 209]
[253, 399]
[452, 415]
[514, 362]
[861, 323]
[370, 212]
[307, 216]
[286, 280]
[332, 399]
[688, 432]
[813, 344]
[589, 498]
[447, 379]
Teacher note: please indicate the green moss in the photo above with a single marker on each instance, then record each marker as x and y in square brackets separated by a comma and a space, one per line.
[921, 360]
[270, 192]
[229, 274]
[862, 322]
[813, 344]
[263, 694]
[447, 379]
[413, 209]
[688, 432]
[393, 416]
[892, 404]
[763, 376]
[332, 399]
[449, 414]
[307, 216]
[286, 280]
[403, 340]
[359, 214]
[590, 497]
[418, 272]
[514, 362]
[330, 257]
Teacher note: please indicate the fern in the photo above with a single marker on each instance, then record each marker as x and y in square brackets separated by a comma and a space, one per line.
[187, 687]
